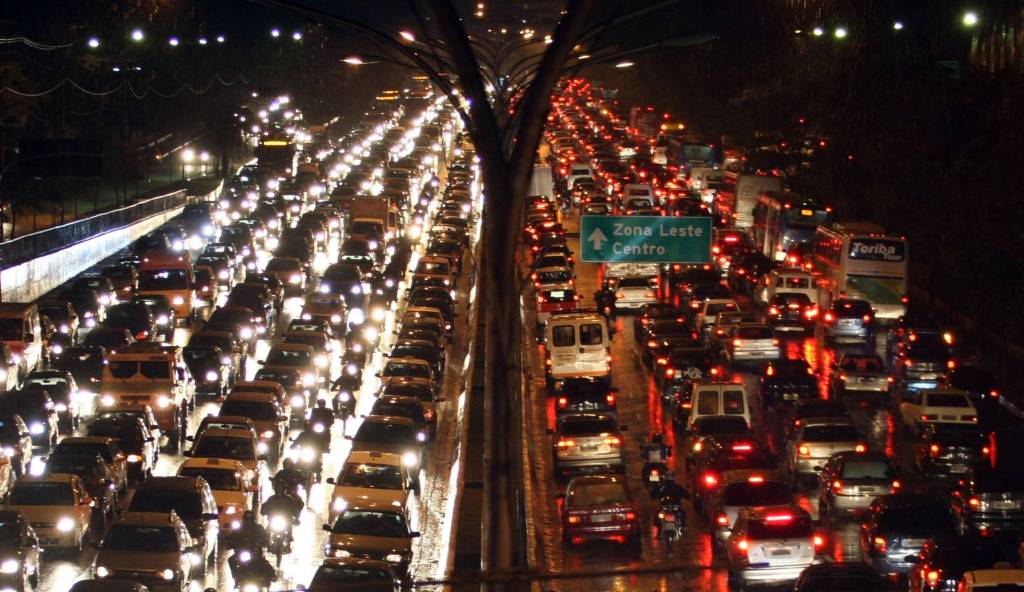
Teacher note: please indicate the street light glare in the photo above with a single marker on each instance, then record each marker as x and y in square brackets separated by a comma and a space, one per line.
[898, 25]
[354, 60]
[970, 18]
[275, 32]
[138, 35]
[297, 36]
[173, 41]
[188, 155]
[407, 35]
[220, 39]
[818, 31]
[202, 41]
[625, 64]
[94, 42]
[840, 32]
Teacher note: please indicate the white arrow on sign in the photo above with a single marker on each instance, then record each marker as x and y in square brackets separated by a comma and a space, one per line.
[597, 238]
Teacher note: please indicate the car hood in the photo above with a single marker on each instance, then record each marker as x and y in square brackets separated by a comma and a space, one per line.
[358, 543]
[137, 560]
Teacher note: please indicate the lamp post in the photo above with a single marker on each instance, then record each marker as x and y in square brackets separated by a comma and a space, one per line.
[187, 156]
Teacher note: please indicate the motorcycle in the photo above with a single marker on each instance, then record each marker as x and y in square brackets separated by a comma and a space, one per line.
[653, 473]
[280, 536]
[671, 520]
[345, 397]
[250, 570]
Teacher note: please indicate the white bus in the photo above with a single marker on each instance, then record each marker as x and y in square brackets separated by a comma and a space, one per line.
[859, 260]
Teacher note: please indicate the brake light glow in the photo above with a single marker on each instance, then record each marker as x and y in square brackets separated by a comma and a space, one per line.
[837, 486]
[778, 518]
[574, 520]
[755, 479]
[935, 449]
[951, 364]
[563, 402]
[974, 502]
[880, 544]
[722, 520]
[829, 317]
[933, 576]
[769, 371]
[819, 542]
[566, 443]
[742, 545]
[860, 448]
[804, 450]
[610, 397]
[742, 447]
[896, 485]
[710, 480]
[613, 441]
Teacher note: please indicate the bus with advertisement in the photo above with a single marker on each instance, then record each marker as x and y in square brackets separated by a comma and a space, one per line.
[783, 220]
[277, 156]
[859, 260]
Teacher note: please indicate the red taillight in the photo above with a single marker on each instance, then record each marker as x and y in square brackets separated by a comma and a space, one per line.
[710, 480]
[837, 486]
[773, 310]
[630, 516]
[867, 318]
[722, 520]
[662, 361]
[777, 518]
[804, 450]
[563, 402]
[574, 520]
[670, 372]
[860, 448]
[769, 371]
[935, 449]
[566, 443]
[142, 335]
[896, 485]
[742, 447]
[819, 542]
[811, 312]
[880, 544]
[613, 441]
[951, 364]
[933, 576]
[829, 317]
[610, 397]
[737, 342]
[742, 545]
[755, 479]
[974, 502]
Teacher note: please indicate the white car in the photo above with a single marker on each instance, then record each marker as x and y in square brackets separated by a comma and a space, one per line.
[711, 308]
[937, 405]
[631, 293]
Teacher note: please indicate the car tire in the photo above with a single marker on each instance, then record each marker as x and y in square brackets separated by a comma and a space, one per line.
[33, 579]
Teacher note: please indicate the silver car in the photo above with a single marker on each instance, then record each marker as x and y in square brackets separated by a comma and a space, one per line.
[771, 546]
[633, 292]
[587, 442]
[816, 441]
[860, 374]
[743, 488]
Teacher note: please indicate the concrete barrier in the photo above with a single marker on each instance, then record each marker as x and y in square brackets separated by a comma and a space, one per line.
[29, 281]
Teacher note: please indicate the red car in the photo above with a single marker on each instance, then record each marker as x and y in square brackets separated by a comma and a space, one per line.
[599, 507]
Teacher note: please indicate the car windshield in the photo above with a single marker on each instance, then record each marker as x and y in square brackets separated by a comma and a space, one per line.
[851, 308]
[150, 370]
[343, 577]
[163, 279]
[219, 479]
[830, 433]
[372, 476]
[946, 400]
[256, 410]
[366, 523]
[224, 447]
[594, 494]
[11, 329]
[42, 494]
[717, 308]
[288, 357]
[283, 265]
[775, 527]
[588, 426]
[753, 333]
[721, 425]
[867, 469]
[749, 493]
[918, 520]
[84, 468]
[386, 433]
[129, 537]
[403, 369]
[865, 364]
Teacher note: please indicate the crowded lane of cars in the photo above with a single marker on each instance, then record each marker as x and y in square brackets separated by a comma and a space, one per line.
[311, 320]
[803, 435]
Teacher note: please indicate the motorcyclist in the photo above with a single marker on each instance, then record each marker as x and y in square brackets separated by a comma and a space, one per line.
[248, 561]
[670, 496]
[251, 535]
[283, 502]
[323, 414]
[656, 452]
[605, 299]
[314, 441]
[289, 478]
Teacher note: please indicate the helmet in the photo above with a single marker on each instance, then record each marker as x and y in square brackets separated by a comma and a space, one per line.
[288, 463]
[249, 516]
[321, 403]
[657, 439]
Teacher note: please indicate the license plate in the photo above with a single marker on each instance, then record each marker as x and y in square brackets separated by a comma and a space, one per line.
[780, 553]
[655, 477]
[949, 417]
[958, 468]
[601, 518]
[845, 323]
[604, 449]
[1005, 505]
[929, 376]
[790, 396]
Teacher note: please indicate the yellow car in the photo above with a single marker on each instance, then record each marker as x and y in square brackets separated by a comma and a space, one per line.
[240, 445]
[232, 489]
[371, 476]
[57, 506]
[372, 529]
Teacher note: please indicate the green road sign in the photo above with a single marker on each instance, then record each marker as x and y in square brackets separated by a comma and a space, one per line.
[645, 239]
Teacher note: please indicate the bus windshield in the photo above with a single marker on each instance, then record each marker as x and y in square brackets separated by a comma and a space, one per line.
[164, 279]
[874, 289]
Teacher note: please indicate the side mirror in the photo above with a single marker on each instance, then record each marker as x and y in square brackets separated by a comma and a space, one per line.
[326, 527]
[414, 534]
[262, 457]
[330, 481]
[186, 453]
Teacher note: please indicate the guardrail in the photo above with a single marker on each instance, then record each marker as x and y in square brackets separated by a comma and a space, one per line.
[49, 240]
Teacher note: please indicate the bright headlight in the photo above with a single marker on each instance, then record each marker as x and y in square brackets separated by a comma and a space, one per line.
[61, 407]
[230, 510]
[298, 401]
[178, 245]
[308, 455]
[211, 376]
[324, 288]
[339, 504]
[102, 572]
[246, 332]
[107, 400]
[393, 557]
[356, 316]
[167, 574]
[36, 428]
[389, 283]
[57, 348]
[295, 278]
[373, 244]
[162, 320]
[8, 451]
[262, 448]
[207, 230]
[225, 360]
[222, 274]
[308, 379]
[421, 437]
[345, 396]
[163, 401]
[134, 458]
[278, 523]
[356, 289]
[267, 434]
[178, 300]
[65, 524]
[321, 360]
[378, 314]
[10, 566]
[335, 318]
[409, 459]
[351, 369]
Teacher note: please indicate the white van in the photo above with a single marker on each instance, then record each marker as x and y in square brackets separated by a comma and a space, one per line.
[576, 345]
[638, 191]
[788, 281]
[720, 398]
[578, 171]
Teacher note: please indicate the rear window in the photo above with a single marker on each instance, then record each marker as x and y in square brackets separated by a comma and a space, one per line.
[590, 334]
[563, 335]
[597, 494]
[788, 298]
[923, 520]
[713, 309]
[559, 295]
[865, 364]
[867, 469]
[830, 433]
[795, 527]
[746, 494]
[754, 333]
[795, 283]
[581, 427]
[851, 308]
[942, 400]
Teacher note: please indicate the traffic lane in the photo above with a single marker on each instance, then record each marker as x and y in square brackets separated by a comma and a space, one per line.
[640, 409]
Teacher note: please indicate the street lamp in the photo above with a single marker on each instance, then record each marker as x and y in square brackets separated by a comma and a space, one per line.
[187, 156]
[297, 36]
[625, 64]
[94, 42]
[970, 18]
[220, 39]
[354, 61]
[840, 32]
[407, 35]
[204, 157]
[898, 26]
[818, 31]
[138, 35]
[202, 41]
[275, 32]
[173, 41]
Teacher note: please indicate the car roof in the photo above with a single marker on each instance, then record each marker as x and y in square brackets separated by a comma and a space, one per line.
[599, 479]
[50, 478]
[157, 519]
[393, 419]
[374, 506]
[211, 463]
[373, 457]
